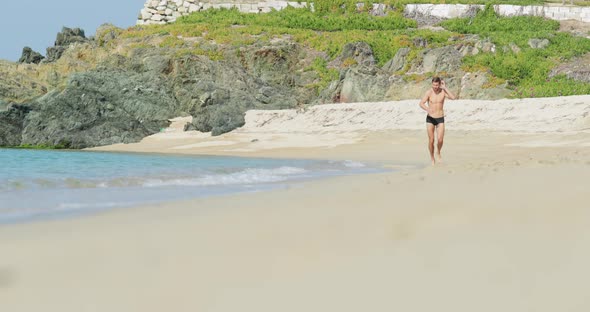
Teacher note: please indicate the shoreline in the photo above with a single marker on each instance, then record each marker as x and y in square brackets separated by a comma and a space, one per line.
[501, 225]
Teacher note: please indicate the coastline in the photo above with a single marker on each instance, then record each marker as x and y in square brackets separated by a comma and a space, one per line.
[501, 224]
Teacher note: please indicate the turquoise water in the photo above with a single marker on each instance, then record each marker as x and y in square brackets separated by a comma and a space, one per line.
[41, 184]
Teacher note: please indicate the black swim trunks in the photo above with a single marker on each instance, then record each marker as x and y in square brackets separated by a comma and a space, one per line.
[435, 121]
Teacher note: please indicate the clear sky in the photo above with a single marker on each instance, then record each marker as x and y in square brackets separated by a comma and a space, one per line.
[35, 23]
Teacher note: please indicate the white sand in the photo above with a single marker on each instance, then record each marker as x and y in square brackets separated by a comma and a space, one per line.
[502, 225]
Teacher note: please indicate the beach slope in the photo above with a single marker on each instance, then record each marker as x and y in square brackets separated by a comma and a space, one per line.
[502, 224]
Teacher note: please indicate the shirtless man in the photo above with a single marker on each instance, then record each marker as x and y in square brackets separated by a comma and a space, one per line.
[436, 115]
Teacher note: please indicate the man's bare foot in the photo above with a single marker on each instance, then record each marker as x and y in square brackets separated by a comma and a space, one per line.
[433, 161]
[439, 158]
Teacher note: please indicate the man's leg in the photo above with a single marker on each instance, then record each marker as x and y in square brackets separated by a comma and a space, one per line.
[440, 136]
[430, 131]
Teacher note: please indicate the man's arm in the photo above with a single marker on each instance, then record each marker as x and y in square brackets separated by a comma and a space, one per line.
[449, 94]
[424, 100]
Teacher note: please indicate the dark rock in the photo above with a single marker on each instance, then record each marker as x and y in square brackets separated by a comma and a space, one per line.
[577, 69]
[64, 39]
[106, 33]
[217, 94]
[445, 59]
[95, 110]
[54, 53]
[357, 53]
[476, 86]
[68, 36]
[358, 84]
[420, 42]
[11, 124]
[160, 64]
[274, 64]
[29, 56]
[398, 62]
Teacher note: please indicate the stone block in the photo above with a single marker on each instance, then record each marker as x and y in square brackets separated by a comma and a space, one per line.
[295, 4]
[145, 14]
[157, 17]
[168, 11]
[193, 8]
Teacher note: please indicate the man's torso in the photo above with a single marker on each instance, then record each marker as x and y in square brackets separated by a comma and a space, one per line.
[436, 102]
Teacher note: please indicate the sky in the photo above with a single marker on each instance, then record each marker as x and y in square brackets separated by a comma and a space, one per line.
[35, 23]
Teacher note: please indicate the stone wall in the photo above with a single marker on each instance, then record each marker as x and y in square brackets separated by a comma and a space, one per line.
[166, 11]
[456, 10]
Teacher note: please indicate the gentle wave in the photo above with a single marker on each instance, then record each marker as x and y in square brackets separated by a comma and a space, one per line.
[353, 164]
[247, 176]
[49, 183]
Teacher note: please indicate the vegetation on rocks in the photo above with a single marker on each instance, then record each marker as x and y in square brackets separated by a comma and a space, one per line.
[124, 84]
[529, 69]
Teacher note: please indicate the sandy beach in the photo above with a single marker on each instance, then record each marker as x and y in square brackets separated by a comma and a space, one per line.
[502, 224]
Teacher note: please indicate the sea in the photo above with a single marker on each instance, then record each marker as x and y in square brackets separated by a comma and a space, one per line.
[41, 184]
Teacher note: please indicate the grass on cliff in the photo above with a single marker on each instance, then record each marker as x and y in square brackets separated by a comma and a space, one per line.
[528, 70]
[337, 22]
[327, 32]
[300, 19]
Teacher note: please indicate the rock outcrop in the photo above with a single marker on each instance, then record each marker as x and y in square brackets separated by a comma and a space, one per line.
[576, 69]
[98, 108]
[538, 43]
[119, 87]
[29, 56]
[64, 39]
[12, 118]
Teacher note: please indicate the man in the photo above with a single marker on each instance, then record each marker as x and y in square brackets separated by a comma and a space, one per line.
[435, 119]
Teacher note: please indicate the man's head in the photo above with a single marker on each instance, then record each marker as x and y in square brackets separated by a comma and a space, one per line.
[436, 84]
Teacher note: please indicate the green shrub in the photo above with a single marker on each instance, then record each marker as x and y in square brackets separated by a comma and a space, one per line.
[529, 69]
[338, 22]
[326, 75]
[299, 18]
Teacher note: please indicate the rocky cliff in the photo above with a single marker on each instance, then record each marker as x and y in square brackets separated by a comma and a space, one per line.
[118, 86]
